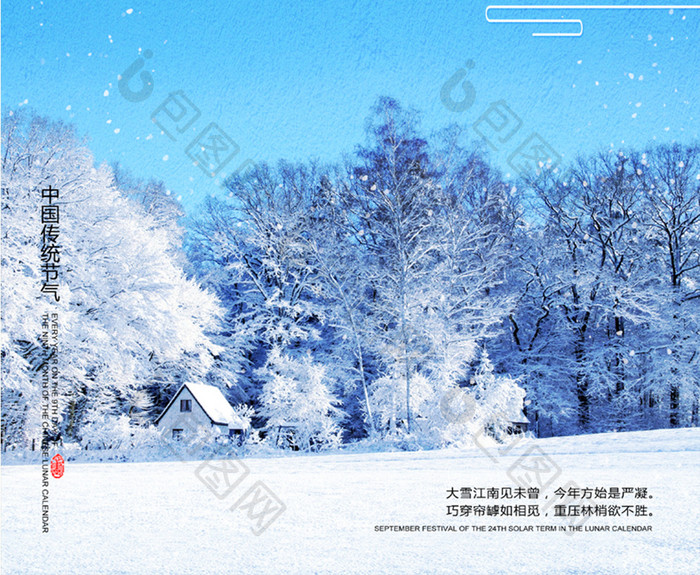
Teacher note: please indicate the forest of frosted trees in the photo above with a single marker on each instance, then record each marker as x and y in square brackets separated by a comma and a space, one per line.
[370, 299]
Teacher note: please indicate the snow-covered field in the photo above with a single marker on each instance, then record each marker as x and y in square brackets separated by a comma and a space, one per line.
[160, 518]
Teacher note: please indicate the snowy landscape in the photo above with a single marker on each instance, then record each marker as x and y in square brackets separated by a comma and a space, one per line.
[299, 288]
[160, 518]
[408, 296]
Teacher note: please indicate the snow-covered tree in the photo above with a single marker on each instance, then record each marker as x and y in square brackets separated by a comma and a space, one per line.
[394, 205]
[669, 178]
[594, 332]
[298, 402]
[131, 325]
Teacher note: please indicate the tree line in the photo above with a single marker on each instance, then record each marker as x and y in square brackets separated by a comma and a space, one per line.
[409, 293]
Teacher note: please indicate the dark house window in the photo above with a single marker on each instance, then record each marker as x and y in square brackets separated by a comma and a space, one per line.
[177, 434]
[185, 405]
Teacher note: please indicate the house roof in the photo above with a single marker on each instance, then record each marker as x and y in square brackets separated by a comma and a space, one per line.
[213, 403]
[517, 416]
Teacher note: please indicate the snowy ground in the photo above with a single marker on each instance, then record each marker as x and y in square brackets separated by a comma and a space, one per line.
[160, 518]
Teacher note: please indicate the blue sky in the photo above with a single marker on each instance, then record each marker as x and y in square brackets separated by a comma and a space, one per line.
[296, 79]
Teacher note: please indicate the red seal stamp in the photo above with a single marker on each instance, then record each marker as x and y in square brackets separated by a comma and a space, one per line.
[57, 466]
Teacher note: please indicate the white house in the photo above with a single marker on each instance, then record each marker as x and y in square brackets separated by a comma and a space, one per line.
[195, 405]
[516, 416]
